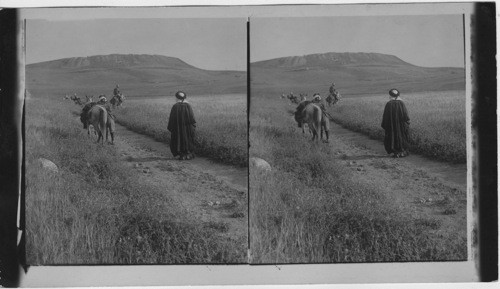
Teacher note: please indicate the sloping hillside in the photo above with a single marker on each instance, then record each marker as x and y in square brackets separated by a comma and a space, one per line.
[330, 60]
[137, 75]
[353, 73]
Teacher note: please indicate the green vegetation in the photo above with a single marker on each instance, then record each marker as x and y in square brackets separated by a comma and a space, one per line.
[221, 129]
[310, 208]
[437, 119]
[94, 210]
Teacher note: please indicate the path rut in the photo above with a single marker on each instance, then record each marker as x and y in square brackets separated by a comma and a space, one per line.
[424, 188]
[448, 172]
[206, 192]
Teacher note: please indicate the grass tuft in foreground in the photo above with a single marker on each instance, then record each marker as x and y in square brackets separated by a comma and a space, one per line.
[94, 210]
[311, 208]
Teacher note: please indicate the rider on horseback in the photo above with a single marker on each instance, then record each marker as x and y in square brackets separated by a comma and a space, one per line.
[333, 98]
[116, 91]
[117, 98]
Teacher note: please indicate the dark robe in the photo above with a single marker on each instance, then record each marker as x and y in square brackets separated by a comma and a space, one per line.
[396, 124]
[181, 125]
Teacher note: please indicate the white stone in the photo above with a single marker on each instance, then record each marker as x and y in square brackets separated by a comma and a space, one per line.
[260, 164]
[46, 164]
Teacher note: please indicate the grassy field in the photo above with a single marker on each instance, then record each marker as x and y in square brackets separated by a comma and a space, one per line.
[437, 119]
[221, 129]
[94, 210]
[310, 208]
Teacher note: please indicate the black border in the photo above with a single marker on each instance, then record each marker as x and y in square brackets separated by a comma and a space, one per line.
[10, 129]
[485, 123]
[249, 251]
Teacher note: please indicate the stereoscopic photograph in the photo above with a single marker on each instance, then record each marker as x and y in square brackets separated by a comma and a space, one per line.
[358, 145]
[297, 144]
[136, 139]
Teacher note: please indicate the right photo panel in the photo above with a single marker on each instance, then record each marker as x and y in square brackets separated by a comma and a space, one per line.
[358, 144]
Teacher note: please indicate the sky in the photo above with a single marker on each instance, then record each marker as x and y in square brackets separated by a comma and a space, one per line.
[214, 44]
[429, 41]
[220, 43]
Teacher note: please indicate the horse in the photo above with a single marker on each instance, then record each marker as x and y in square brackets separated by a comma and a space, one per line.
[312, 115]
[294, 99]
[110, 122]
[89, 98]
[76, 100]
[97, 116]
[84, 115]
[304, 126]
[114, 101]
[333, 98]
[110, 125]
[117, 100]
[298, 116]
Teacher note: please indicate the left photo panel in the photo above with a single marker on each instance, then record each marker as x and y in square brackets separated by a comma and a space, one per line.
[136, 140]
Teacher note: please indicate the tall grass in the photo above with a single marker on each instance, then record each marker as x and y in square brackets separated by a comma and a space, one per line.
[95, 211]
[437, 119]
[221, 129]
[310, 208]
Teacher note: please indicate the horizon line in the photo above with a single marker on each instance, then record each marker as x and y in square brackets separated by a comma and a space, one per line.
[303, 55]
[154, 54]
[357, 52]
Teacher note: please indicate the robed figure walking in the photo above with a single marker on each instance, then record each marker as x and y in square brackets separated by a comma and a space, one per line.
[181, 125]
[396, 124]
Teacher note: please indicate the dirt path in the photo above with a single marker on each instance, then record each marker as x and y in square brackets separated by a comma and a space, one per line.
[424, 188]
[216, 194]
[448, 172]
[209, 193]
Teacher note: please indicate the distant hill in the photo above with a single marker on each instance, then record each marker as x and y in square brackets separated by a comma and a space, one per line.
[353, 73]
[332, 60]
[137, 75]
[113, 61]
